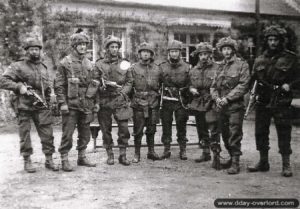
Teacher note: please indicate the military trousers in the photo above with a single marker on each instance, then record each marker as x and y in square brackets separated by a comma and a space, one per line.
[282, 120]
[105, 121]
[208, 132]
[231, 126]
[140, 122]
[70, 121]
[181, 117]
[42, 120]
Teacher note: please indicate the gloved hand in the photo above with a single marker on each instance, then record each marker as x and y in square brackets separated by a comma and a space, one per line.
[23, 90]
[224, 101]
[96, 108]
[194, 91]
[64, 109]
[219, 103]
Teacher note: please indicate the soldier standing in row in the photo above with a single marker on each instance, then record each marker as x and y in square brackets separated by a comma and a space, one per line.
[116, 85]
[175, 78]
[278, 76]
[145, 103]
[76, 93]
[33, 72]
[201, 77]
[228, 89]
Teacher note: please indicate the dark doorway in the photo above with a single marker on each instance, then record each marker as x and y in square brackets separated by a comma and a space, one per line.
[192, 59]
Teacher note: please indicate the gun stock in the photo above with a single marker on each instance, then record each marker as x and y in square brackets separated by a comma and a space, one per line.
[252, 99]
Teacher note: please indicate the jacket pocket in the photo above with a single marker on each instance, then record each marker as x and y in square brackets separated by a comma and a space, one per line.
[73, 87]
[45, 117]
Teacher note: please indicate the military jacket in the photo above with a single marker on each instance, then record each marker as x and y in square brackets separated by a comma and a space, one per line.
[34, 74]
[201, 78]
[232, 82]
[146, 84]
[272, 72]
[109, 69]
[175, 76]
[74, 85]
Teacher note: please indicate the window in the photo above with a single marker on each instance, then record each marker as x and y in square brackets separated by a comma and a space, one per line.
[91, 48]
[120, 33]
[189, 43]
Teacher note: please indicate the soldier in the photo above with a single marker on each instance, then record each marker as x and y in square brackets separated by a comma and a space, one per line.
[116, 85]
[228, 89]
[146, 83]
[201, 77]
[277, 74]
[175, 78]
[76, 93]
[23, 77]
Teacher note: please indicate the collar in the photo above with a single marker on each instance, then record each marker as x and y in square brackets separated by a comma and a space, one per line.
[148, 63]
[35, 62]
[229, 62]
[76, 57]
[270, 54]
[109, 59]
[175, 64]
[201, 65]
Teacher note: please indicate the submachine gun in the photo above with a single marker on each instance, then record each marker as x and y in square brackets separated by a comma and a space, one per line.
[38, 101]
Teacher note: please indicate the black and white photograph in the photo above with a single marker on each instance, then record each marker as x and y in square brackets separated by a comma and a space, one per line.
[149, 104]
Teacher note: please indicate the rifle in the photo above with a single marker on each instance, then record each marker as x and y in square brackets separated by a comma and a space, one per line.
[252, 99]
[161, 96]
[106, 83]
[39, 102]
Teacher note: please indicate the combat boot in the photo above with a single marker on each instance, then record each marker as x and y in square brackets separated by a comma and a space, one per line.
[167, 152]
[110, 156]
[122, 157]
[262, 165]
[65, 163]
[152, 155]
[182, 152]
[137, 153]
[83, 161]
[235, 166]
[225, 164]
[286, 166]
[50, 164]
[204, 157]
[28, 165]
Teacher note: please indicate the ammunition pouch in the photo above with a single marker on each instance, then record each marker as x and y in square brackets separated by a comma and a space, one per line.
[92, 89]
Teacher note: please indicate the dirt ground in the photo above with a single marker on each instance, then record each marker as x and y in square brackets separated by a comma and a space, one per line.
[169, 183]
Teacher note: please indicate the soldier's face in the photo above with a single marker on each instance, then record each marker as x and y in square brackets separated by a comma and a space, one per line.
[174, 54]
[113, 49]
[273, 42]
[145, 55]
[204, 56]
[81, 48]
[227, 52]
[34, 52]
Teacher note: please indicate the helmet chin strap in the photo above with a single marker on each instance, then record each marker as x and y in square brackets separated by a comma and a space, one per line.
[34, 57]
[75, 49]
[174, 60]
